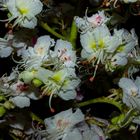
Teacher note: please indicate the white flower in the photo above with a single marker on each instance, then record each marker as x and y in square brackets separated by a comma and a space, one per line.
[9, 43]
[60, 83]
[131, 92]
[5, 51]
[68, 125]
[5, 81]
[89, 23]
[112, 43]
[5, 45]
[64, 52]
[62, 56]
[124, 47]
[128, 40]
[119, 59]
[87, 132]
[94, 46]
[24, 11]
[83, 131]
[43, 44]
[20, 101]
[35, 56]
[113, 51]
[59, 125]
[93, 41]
[97, 19]
[20, 88]
[128, 86]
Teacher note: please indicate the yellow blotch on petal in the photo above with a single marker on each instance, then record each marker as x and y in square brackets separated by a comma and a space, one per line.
[40, 51]
[58, 76]
[23, 11]
[120, 48]
[93, 45]
[101, 44]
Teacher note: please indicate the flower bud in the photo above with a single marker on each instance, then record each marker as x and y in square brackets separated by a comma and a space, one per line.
[2, 111]
[37, 82]
[2, 98]
[27, 76]
[9, 105]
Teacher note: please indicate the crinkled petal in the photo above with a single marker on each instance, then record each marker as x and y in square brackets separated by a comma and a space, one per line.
[5, 52]
[128, 86]
[67, 95]
[29, 23]
[21, 101]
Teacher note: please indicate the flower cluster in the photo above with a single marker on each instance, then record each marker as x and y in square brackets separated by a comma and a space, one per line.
[48, 68]
[100, 46]
[57, 65]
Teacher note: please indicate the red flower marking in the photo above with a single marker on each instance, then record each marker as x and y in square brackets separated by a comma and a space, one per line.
[22, 87]
[98, 19]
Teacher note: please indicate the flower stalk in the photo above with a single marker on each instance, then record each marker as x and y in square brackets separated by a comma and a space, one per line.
[101, 100]
[50, 30]
[73, 34]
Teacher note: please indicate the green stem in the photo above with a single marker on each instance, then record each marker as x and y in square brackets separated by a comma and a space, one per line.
[73, 34]
[50, 30]
[100, 100]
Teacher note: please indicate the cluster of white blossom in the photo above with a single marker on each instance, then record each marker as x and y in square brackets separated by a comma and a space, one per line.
[48, 68]
[49, 65]
[100, 46]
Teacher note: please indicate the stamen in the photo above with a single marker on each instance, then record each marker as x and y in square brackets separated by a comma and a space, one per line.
[18, 20]
[7, 20]
[86, 13]
[50, 99]
[3, 7]
[45, 90]
[4, 20]
[115, 4]
[18, 62]
[96, 67]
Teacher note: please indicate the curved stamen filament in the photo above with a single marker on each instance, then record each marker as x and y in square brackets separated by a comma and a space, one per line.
[96, 66]
[18, 62]
[7, 20]
[18, 20]
[50, 99]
